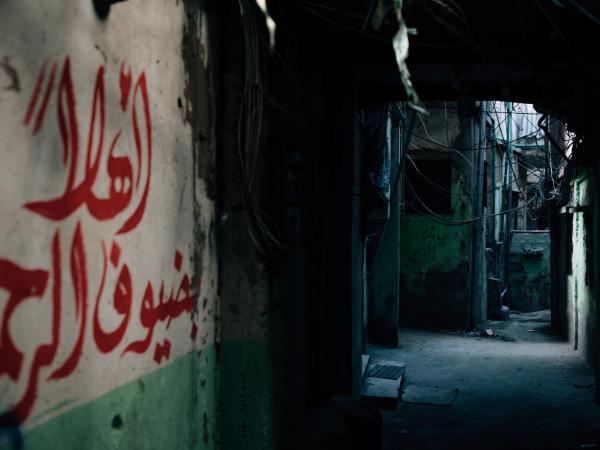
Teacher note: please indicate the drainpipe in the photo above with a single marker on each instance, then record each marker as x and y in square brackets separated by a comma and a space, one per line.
[509, 215]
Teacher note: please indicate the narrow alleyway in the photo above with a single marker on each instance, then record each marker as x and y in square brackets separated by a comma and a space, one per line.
[521, 388]
[213, 211]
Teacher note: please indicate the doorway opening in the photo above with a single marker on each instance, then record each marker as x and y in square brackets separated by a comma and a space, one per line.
[474, 235]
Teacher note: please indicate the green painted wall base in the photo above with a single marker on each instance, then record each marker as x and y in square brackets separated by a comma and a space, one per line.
[168, 409]
[245, 396]
[436, 273]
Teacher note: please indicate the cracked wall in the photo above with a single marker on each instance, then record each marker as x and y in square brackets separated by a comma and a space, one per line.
[436, 255]
[581, 301]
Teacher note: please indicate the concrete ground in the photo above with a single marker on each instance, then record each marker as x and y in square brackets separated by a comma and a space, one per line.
[519, 389]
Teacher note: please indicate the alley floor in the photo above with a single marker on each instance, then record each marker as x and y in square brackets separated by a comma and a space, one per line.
[521, 388]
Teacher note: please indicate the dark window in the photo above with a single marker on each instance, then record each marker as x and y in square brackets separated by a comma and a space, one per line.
[428, 186]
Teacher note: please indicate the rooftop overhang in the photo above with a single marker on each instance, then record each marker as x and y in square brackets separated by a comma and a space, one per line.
[538, 51]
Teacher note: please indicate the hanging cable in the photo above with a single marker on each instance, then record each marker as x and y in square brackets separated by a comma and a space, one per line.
[262, 229]
[546, 131]
[458, 222]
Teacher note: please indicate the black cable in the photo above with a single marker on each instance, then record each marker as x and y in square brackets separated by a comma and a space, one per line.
[460, 222]
[546, 131]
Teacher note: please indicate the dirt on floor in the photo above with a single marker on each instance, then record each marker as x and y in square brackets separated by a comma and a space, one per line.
[520, 388]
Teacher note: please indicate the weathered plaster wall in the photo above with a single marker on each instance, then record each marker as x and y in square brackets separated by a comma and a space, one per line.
[529, 271]
[435, 262]
[581, 302]
[435, 286]
[575, 247]
[107, 254]
[575, 228]
[245, 377]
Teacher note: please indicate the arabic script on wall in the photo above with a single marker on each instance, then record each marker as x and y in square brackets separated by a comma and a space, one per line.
[108, 185]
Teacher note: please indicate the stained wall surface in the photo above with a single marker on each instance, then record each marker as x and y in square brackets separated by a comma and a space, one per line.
[581, 300]
[529, 271]
[574, 266]
[436, 250]
[107, 255]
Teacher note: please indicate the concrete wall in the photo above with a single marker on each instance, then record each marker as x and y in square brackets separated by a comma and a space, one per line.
[244, 363]
[575, 229]
[436, 256]
[107, 255]
[383, 277]
[435, 277]
[529, 271]
[581, 302]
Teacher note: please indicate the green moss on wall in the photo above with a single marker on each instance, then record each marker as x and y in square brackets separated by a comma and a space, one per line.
[246, 396]
[435, 275]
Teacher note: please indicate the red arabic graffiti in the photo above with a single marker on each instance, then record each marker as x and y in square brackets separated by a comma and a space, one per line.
[23, 284]
[119, 168]
[129, 183]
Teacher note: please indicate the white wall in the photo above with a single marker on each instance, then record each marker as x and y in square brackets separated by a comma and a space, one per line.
[95, 222]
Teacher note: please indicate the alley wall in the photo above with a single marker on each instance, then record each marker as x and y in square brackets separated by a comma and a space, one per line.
[529, 270]
[575, 290]
[107, 246]
[436, 249]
